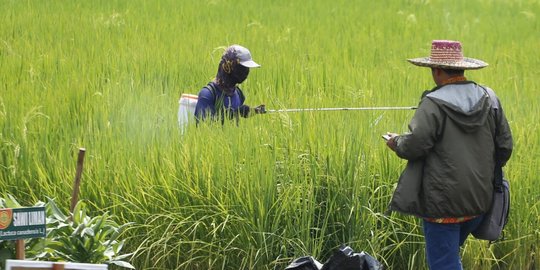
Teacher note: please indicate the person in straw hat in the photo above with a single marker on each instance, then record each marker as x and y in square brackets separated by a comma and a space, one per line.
[222, 98]
[450, 149]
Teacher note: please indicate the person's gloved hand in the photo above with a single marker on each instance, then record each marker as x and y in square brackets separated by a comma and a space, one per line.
[260, 109]
[243, 110]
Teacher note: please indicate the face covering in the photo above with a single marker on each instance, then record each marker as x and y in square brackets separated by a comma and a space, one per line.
[239, 73]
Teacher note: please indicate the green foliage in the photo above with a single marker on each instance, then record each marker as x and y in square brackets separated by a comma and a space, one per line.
[75, 237]
[9, 202]
[81, 238]
[7, 251]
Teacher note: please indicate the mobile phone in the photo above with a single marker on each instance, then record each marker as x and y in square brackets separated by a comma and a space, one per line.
[386, 137]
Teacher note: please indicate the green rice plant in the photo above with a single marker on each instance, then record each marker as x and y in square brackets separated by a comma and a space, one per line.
[107, 76]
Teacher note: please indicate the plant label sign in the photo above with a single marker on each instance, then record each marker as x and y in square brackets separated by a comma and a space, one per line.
[21, 223]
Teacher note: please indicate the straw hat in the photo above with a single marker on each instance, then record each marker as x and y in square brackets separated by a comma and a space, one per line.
[448, 54]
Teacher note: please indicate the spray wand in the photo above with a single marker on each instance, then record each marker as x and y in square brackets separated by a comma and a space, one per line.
[340, 109]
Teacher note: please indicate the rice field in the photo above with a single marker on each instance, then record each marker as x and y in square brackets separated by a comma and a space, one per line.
[107, 75]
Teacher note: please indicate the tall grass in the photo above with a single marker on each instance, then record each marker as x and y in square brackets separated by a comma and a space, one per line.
[107, 75]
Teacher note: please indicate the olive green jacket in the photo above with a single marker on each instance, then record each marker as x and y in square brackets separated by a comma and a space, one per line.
[450, 152]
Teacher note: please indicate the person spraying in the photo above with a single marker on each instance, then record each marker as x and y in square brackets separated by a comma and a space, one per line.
[221, 98]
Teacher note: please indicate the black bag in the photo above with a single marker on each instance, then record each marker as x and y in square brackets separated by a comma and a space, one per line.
[346, 259]
[343, 259]
[304, 263]
[496, 218]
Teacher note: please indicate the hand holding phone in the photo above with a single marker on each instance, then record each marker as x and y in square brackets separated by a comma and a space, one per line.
[390, 139]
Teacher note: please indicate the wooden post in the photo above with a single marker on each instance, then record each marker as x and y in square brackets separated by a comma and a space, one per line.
[19, 249]
[58, 266]
[77, 182]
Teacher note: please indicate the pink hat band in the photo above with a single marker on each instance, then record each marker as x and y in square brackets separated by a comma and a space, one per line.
[446, 51]
[448, 54]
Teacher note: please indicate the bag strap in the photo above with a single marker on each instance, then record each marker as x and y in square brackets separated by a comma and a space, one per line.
[218, 102]
[210, 86]
[498, 177]
[498, 174]
[241, 94]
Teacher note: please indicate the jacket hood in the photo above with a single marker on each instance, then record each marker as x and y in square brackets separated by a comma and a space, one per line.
[467, 104]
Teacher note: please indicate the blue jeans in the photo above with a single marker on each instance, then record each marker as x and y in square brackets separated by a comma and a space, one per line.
[443, 242]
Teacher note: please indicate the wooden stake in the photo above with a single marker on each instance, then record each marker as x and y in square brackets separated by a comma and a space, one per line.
[58, 266]
[77, 183]
[19, 249]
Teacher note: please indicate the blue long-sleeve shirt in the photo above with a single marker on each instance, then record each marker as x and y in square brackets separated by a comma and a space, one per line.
[208, 100]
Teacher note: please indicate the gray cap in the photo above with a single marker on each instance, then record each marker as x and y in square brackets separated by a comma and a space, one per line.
[244, 56]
